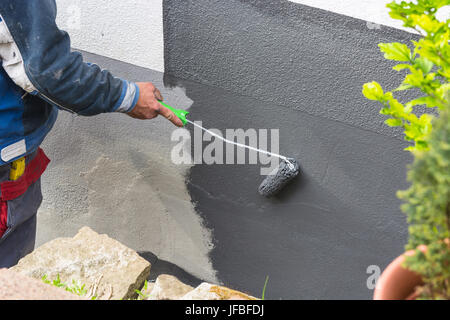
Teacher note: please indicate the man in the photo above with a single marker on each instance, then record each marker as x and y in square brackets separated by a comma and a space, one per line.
[40, 75]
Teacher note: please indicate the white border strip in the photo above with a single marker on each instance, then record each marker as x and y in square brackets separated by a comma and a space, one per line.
[372, 11]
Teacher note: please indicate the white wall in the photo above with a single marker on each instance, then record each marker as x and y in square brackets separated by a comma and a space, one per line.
[126, 30]
[370, 10]
[374, 11]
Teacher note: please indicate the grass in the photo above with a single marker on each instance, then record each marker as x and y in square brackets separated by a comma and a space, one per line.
[81, 290]
[264, 288]
[141, 295]
[75, 287]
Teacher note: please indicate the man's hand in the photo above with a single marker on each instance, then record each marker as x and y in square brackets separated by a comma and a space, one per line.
[148, 107]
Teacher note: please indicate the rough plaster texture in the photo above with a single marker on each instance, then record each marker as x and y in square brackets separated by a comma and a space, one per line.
[276, 64]
[138, 38]
[318, 237]
[289, 54]
[114, 174]
[127, 30]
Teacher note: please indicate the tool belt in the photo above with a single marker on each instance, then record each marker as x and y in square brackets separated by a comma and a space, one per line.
[21, 177]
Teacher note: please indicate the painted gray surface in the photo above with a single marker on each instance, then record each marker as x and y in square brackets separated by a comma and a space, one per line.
[289, 54]
[275, 64]
[317, 238]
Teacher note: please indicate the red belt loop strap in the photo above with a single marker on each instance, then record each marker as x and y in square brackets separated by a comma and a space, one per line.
[3, 217]
[35, 168]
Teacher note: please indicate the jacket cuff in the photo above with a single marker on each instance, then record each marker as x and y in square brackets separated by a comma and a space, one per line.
[128, 98]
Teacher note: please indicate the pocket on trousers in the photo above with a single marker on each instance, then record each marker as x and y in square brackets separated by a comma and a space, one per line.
[17, 211]
[24, 207]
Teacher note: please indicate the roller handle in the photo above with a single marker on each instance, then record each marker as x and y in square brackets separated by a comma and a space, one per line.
[178, 112]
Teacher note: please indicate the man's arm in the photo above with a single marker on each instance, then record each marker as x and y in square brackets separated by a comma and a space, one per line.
[37, 56]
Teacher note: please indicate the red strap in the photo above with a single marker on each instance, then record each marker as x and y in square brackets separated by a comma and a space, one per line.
[34, 169]
[3, 217]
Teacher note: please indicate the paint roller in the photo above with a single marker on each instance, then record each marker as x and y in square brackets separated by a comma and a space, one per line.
[287, 170]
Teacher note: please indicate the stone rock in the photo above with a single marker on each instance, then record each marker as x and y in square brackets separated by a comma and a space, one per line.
[207, 291]
[108, 268]
[16, 286]
[168, 287]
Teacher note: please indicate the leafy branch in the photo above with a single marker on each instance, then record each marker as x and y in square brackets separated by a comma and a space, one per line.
[428, 66]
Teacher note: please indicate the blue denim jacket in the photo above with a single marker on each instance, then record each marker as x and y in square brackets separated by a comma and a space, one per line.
[40, 74]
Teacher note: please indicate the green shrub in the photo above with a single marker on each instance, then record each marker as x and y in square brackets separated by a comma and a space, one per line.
[428, 209]
[427, 201]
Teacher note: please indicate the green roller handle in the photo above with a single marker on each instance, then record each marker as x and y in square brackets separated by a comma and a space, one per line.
[179, 113]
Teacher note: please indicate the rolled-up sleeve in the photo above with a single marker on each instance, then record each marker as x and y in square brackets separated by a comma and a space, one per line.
[37, 56]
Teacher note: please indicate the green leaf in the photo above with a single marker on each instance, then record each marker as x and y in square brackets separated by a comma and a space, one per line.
[426, 118]
[430, 102]
[373, 91]
[426, 22]
[424, 64]
[415, 78]
[45, 280]
[396, 51]
[396, 106]
[385, 111]
[401, 66]
[394, 122]
[407, 108]
[404, 86]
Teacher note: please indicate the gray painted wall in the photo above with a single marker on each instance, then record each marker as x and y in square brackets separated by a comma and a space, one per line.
[245, 64]
[289, 54]
[276, 64]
